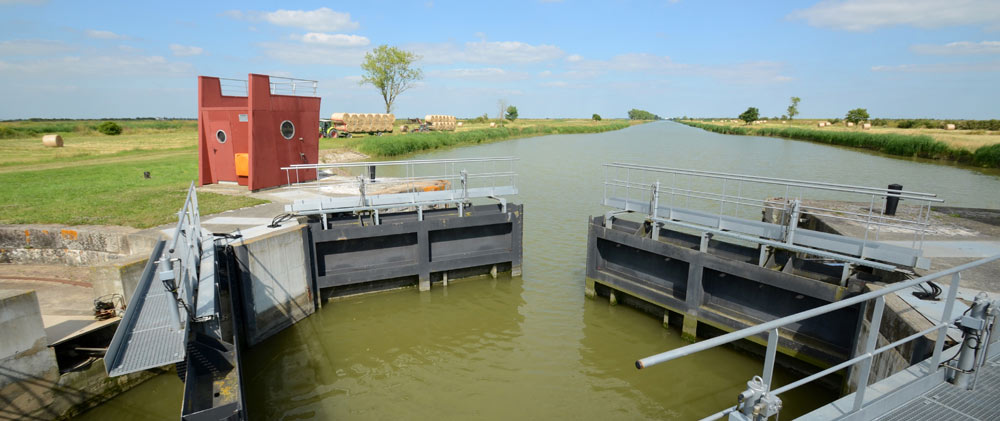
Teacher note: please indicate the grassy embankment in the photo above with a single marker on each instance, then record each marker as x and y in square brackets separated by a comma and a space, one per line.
[397, 144]
[980, 148]
[97, 179]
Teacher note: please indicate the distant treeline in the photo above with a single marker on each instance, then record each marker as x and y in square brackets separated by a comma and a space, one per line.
[922, 146]
[38, 127]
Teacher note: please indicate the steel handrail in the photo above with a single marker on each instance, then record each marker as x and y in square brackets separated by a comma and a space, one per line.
[772, 328]
[781, 181]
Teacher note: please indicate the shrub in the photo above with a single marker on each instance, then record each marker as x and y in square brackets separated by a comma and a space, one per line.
[109, 128]
[880, 122]
[987, 156]
[596, 117]
[834, 120]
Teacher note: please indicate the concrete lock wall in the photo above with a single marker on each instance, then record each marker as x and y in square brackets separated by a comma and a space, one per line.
[276, 281]
[75, 246]
[721, 290]
[31, 386]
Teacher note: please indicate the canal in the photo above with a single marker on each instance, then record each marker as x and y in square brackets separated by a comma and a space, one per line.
[533, 346]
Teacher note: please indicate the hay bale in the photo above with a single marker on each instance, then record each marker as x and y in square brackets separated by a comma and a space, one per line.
[866, 126]
[949, 127]
[459, 124]
[820, 124]
[493, 124]
[52, 141]
[850, 124]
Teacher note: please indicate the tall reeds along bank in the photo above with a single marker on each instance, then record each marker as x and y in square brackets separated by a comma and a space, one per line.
[922, 146]
[415, 142]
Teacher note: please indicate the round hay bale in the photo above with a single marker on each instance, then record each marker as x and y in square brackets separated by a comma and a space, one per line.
[339, 117]
[52, 140]
[866, 126]
[459, 124]
[949, 127]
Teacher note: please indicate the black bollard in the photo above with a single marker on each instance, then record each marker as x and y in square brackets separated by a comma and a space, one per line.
[892, 200]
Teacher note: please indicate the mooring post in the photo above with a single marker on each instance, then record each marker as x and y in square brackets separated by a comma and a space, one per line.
[705, 238]
[444, 278]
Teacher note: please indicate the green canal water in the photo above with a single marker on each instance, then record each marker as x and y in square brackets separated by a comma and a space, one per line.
[533, 347]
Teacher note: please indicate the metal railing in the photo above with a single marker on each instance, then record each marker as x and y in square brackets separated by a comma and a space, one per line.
[233, 87]
[292, 86]
[178, 265]
[870, 351]
[719, 198]
[374, 186]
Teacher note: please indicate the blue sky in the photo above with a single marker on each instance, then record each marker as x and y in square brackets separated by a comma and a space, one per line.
[567, 58]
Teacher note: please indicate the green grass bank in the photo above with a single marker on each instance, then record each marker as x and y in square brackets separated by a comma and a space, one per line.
[396, 145]
[108, 194]
[921, 146]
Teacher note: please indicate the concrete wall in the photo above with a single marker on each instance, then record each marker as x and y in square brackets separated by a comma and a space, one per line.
[77, 246]
[120, 277]
[276, 281]
[30, 384]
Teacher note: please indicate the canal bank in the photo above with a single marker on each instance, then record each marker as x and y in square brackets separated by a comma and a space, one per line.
[472, 348]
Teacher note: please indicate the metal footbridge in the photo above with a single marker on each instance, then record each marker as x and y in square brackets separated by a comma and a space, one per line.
[181, 313]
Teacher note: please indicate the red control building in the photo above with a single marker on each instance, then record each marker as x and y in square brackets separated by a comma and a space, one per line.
[246, 136]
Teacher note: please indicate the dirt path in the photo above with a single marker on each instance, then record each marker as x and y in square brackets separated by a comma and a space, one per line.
[98, 161]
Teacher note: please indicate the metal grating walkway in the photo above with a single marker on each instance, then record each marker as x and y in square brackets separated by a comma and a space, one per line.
[948, 402]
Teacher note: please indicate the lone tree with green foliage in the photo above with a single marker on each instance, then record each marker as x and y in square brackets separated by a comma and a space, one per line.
[857, 115]
[511, 113]
[793, 110]
[636, 114]
[596, 117]
[750, 115]
[391, 70]
[110, 128]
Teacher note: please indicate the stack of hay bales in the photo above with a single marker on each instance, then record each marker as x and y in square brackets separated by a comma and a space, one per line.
[441, 122]
[362, 123]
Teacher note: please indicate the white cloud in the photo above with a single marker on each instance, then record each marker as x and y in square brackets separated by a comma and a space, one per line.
[300, 53]
[322, 20]
[866, 15]
[185, 50]
[487, 52]
[958, 48]
[556, 84]
[99, 34]
[940, 68]
[31, 47]
[335, 40]
[493, 74]
[574, 58]
[97, 66]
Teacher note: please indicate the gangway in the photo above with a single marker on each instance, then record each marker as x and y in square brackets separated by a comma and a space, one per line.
[420, 184]
[182, 312]
[730, 205]
[961, 364]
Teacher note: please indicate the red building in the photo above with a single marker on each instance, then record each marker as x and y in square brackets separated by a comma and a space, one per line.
[246, 136]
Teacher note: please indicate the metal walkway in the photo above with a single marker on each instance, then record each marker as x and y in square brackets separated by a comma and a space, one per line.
[949, 402]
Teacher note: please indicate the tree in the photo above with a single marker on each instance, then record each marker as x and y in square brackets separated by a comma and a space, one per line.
[784, 117]
[391, 70]
[596, 117]
[750, 115]
[636, 114]
[511, 113]
[793, 110]
[501, 107]
[857, 115]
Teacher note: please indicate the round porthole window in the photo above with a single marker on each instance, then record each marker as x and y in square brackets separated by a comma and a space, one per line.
[287, 129]
[220, 136]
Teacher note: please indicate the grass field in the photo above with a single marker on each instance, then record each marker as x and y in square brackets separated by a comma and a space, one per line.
[97, 179]
[975, 147]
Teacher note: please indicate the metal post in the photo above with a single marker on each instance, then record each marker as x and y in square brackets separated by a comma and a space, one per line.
[793, 222]
[769, 357]
[971, 343]
[949, 305]
[866, 366]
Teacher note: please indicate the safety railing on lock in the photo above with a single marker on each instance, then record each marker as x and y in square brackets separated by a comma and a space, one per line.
[759, 401]
[291, 86]
[179, 263]
[378, 186]
[732, 205]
